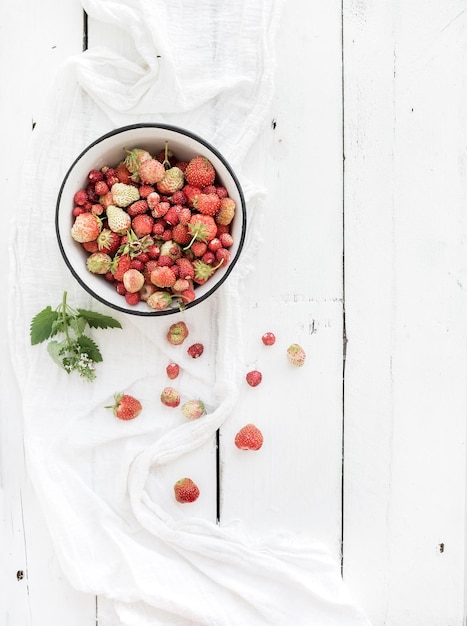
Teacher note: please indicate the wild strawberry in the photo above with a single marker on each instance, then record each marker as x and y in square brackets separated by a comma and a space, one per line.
[123, 195]
[296, 355]
[184, 215]
[209, 189]
[137, 208]
[80, 197]
[172, 181]
[199, 248]
[106, 200]
[77, 211]
[163, 277]
[269, 339]
[172, 249]
[137, 264]
[167, 234]
[177, 333]
[154, 251]
[179, 197]
[226, 211]
[126, 407]
[191, 192]
[207, 204]
[222, 192]
[123, 173]
[172, 370]
[97, 209]
[182, 165]
[185, 490]
[201, 228]
[118, 220]
[181, 235]
[108, 241]
[158, 228]
[195, 350]
[186, 268]
[181, 284]
[188, 295]
[164, 260]
[153, 199]
[101, 188]
[170, 397]
[95, 175]
[249, 438]
[200, 172]
[142, 224]
[86, 227]
[90, 246]
[119, 288]
[208, 257]
[159, 300]
[145, 190]
[91, 193]
[151, 171]
[214, 244]
[193, 409]
[226, 240]
[135, 158]
[98, 263]
[120, 265]
[160, 209]
[223, 256]
[133, 280]
[146, 291]
[132, 298]
[254, 378]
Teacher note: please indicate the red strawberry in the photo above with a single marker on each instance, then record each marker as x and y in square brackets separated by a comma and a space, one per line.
[187, 296]
[138, 207]
[95, 175]
[90, 246]
[177, 333]
[86, 227]
[269, 339]
[186, 269]
[186, 490]
[132, 298]
[172, 370]
[296, 355]
[226, 240]
[249, 438]
[202, 228]
[126, 407]
[142, 225]
[200, 172]
[81, 197]
[195, 350]
[181, 235]
[108, 241]
[163, 276]
[101, 188]
[120, 265]
[207, 203]
[254, 378]
[191, 191]
[123, 174]
[170, 397]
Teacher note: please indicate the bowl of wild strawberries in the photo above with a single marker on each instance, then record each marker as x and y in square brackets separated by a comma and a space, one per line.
[150, 219]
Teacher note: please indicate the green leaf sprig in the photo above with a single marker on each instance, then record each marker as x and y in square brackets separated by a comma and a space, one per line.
[76, 351]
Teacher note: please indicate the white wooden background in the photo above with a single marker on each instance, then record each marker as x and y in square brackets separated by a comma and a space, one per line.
[376, 294]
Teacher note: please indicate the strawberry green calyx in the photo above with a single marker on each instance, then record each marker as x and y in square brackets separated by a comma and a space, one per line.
[99, 263]
[203, 270]
[134, 158]
[134, 245]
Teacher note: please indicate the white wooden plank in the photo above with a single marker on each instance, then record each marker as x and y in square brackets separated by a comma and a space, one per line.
[406, 364]
[295, 290]
[34, 39]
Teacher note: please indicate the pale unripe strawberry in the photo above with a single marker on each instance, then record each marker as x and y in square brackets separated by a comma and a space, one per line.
[133, 280]
[172, 181]
[226, 211]
[123, 195]
[135, 158]
[99, 263]
[193, 409]
[118, 220]
[86, 227]
[151, 171]
[170, 397]
[296, 355]
[159, 300]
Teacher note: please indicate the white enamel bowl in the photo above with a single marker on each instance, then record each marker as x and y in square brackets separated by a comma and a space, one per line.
[109, 150]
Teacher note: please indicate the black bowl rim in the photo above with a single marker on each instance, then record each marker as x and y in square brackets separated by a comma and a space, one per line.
[233, 261]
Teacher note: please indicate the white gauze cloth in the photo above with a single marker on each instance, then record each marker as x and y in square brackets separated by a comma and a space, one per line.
[100, 480]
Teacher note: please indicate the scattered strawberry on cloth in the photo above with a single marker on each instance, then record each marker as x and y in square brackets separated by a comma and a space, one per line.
[98, 477]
